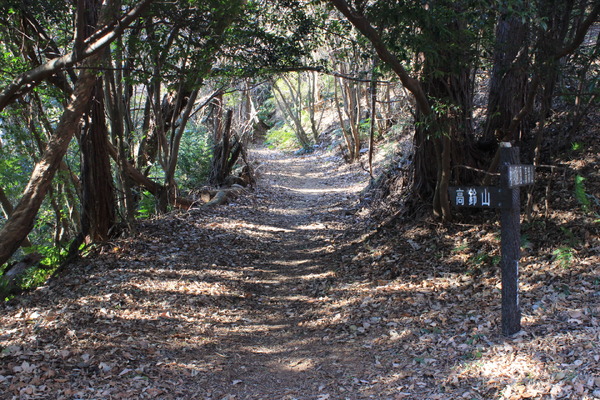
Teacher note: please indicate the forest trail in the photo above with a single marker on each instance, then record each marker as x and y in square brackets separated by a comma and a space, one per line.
[220, 303]
[281, 296]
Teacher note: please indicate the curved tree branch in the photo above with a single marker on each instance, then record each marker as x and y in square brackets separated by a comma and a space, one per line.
[580, 34]
[30, 79]
[361, 23]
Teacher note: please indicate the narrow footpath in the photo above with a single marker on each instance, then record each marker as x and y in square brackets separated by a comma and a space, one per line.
[234, 302]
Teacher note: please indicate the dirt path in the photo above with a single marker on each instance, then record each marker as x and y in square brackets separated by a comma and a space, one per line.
[212, 304]
[270, 298]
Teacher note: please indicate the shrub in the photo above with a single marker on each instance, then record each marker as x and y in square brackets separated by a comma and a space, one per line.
[281, 137]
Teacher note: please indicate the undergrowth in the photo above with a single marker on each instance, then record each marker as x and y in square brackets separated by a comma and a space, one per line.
[282, 137]
[37, 274]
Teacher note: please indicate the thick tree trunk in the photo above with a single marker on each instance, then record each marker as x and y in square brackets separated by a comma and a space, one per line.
[7, 208]
[443, 139]
[21, 221]
[438, 137]
[509, 78]
[98, 201]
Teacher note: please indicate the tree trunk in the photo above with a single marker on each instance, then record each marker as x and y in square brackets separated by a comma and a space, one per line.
[138, 178]
[373, 112]
[313, 100]
[7, 208]
[98, 200]
[347, 135]
[293, 110]
[117, 112]
[351, 95]
[21, 221]
[176, 136]
[443, 139]
[222, 151]
[509, 78]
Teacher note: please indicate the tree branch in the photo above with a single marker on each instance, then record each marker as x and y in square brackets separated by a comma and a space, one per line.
[361, 23]
[30, 79]
[581, 33]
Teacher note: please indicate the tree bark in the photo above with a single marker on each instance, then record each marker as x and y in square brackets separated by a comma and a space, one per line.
[176, 139]
[116, 100]
[148, 184]
[221, 151]
[345, 132]
[352, 108]
[7, 207]
[373, 112]
[21, 221]
[435, 137]
[509, 77]
[443, 96]
[98, 200]
[313, 100]
[293, 110]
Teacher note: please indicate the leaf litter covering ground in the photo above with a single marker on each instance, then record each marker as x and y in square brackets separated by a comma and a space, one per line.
[285, 295]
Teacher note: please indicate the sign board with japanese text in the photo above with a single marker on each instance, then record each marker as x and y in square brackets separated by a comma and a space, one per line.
[477, 196]
[506, 196]
[520, 175]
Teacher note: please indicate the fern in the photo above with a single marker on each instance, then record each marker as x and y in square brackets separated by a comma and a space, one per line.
[580, 193]
[564, 256]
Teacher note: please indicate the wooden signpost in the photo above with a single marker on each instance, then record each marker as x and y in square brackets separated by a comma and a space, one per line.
[506, 197]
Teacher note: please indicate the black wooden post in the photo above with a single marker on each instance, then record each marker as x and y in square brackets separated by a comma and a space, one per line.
[510, 224]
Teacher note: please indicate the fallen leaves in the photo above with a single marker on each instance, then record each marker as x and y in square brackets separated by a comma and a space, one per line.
[276, 298]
